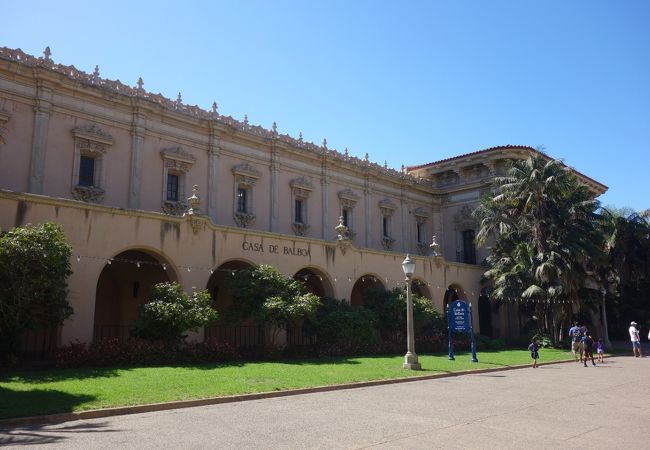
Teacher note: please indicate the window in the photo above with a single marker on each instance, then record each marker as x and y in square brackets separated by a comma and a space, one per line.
[242, 194]
[172, 187]
[421, 218]
[86, 171]
[387, 209]
[469, 248]
[385, 226]
[297, 209]
[176, 164]
[90, 147]
[348, 200]
[301, 189]
[346, 213]
[419, 230]
[245, 178]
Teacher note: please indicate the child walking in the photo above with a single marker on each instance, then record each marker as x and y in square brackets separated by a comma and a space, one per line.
[534, 352]
[600, 350]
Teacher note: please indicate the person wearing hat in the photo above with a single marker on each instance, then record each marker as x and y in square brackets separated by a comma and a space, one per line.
[635, 339]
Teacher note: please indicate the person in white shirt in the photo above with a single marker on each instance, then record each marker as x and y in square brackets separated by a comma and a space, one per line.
[636, 340]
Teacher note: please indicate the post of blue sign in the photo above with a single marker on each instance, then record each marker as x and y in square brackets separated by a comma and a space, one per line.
[450, 348]
[459, 320]
[471, 323]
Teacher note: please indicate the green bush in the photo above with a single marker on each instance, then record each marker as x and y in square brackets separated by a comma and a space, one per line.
[34, 266]
[170, 313]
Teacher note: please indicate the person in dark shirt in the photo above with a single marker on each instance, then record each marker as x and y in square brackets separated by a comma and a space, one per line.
[534, 352]
[587, 344]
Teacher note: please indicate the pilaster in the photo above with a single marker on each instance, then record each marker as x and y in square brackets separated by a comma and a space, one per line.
[214, 151]
[42, 110]
[137, 144]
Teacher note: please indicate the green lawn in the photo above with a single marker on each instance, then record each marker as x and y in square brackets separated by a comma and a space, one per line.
[45, 392]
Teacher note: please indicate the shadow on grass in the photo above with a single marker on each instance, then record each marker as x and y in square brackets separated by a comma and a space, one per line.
[38, 402]
[48, 434]
[51, 375]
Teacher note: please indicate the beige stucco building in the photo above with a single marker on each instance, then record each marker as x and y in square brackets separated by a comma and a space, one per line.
[115, 165]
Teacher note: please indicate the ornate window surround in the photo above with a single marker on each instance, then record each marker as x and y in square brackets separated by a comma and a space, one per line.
[301, 189]
[387, 209]
[421, 218]
[4, 118]
[463, 221]
[176, 161]
[348, 200]
[245, 177]
[92, 142]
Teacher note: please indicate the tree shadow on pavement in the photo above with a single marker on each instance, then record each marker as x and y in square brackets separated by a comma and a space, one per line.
[48, 434]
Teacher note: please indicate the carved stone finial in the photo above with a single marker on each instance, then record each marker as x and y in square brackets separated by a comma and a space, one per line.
[325, 143]
[214, 108]
[366, 158]
[140, 83]
[343, 236]
[300, 137]
[435, 247]
[274, 127]
[47, 54]
[96, 73]
[179, 100]
[385, 164]
[347, 155]
[403, 169]
[194, 201]
[245, 120]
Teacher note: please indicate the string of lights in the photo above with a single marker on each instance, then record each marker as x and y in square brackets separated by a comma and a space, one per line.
[305, 277]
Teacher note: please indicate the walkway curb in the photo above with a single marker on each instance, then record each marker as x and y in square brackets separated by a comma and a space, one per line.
[123, 410]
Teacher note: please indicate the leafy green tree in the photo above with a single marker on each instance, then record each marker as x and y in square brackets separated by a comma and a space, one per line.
[34, 266]
[267, 296]
[544, 229]
[170, 312]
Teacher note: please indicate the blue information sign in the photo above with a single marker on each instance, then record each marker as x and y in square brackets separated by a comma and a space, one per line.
[459, 317]
[459, 320]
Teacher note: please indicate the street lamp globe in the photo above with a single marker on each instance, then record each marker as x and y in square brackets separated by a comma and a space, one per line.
[408, 266]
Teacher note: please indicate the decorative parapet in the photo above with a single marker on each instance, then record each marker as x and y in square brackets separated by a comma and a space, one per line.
[177, 106]
[174, 208]
[88, 194]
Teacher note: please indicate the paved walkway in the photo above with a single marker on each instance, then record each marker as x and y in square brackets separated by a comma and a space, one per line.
[554, 406]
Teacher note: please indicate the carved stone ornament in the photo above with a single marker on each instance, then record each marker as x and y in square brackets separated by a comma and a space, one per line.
[174, 208]
[387, 207]
[387, 242]
[244, 220]
[246, 174]
[4, 118]
[88, 194]
[343, 238]
[423, 249]
[464, 218]
[301, 187]
[92, 133]
[300, 229]
[348, 198]
[177, 159]
[194, 201]
[421, 215]
[197, 223]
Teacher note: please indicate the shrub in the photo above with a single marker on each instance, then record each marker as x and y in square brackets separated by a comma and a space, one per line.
[170, 312]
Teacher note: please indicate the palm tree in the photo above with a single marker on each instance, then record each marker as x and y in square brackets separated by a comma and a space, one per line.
[543, 224]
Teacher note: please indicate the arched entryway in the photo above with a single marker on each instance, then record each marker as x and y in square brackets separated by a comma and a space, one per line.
[485, 313]
[245, 333]
[421, 289]
[124, 285]
[316, 281]
[363, 284]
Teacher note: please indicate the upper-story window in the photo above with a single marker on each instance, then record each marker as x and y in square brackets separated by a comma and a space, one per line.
[387, 209]
[465, 224]
[172, 187]
[301, 189]
[421, 218]
[176, 164]
[348, 200]
[469, 247]
[90, 147]
[245, 178]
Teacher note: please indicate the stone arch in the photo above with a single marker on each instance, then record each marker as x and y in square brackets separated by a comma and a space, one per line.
[123, 285]
[243, 334]
[316, 281]
[364, 283]
[419, 287]
[453, 292]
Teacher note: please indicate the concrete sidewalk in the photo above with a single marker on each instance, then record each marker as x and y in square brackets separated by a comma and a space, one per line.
[554, 406]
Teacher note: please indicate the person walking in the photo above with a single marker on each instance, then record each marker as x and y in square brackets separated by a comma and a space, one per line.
[574, 334]
[534, 352]
[600, 350]
[587, 344]
[635, 339]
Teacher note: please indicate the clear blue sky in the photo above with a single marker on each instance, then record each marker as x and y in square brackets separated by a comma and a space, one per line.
[408, 82]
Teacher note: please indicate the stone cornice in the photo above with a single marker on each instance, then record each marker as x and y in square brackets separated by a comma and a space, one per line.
[139, 94]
